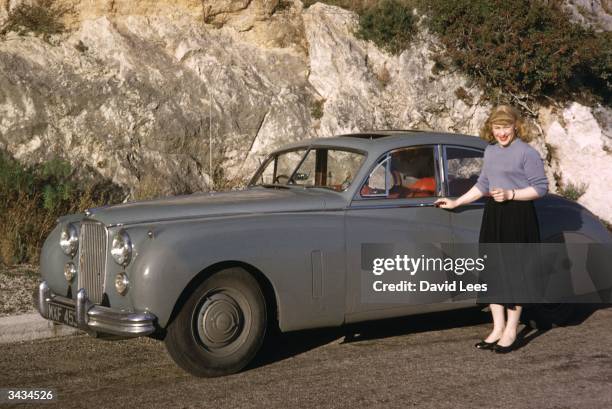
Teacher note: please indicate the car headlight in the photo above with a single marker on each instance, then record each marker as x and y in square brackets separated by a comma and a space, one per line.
[69, 239]
[121, 249]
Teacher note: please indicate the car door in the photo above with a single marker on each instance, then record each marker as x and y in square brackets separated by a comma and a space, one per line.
[394, 206]
[461, 167]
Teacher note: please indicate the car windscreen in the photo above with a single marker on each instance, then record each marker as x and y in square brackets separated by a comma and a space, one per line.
[329, 168]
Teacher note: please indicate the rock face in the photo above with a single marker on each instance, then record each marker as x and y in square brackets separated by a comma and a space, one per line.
[186, 95]
[596, 14]
[158, 97]
[580, 141]
[365, 88]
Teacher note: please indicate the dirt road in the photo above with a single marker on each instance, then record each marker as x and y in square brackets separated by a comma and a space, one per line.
[425, 362]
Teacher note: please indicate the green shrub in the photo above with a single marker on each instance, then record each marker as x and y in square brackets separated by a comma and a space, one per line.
[389, 24]
[32, 198]
[316, 109]
[523, 46]
[573, 191]
[43, 17]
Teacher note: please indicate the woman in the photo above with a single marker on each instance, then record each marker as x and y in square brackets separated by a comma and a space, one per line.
[512, 176]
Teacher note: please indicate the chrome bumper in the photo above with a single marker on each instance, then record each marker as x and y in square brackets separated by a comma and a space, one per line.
[96, 318]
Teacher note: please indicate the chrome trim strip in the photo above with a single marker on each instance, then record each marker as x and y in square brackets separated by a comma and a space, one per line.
[95, 318]
[391, 206]
[442, 169]
[221, 215]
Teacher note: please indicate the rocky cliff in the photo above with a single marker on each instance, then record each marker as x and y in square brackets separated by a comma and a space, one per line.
[186, 95]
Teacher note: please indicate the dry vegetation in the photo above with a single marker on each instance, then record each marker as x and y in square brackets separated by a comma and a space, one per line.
[32, 198]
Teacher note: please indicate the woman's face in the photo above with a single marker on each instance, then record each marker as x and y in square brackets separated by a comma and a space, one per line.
[503, 133]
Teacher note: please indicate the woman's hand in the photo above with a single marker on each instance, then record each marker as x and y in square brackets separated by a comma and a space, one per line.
[446, 203]
[501, 195]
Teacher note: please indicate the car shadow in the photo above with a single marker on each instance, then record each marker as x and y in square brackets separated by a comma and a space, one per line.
[280, 346]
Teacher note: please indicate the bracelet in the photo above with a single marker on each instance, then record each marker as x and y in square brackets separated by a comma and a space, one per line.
[513, 193]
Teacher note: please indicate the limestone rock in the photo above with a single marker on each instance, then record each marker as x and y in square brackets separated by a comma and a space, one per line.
[596, 14]
[140, 97]
[187, 95]
[581, 155]
[366, 88]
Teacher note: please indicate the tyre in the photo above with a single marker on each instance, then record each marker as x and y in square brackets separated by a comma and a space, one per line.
[221, 326]
[545, 316]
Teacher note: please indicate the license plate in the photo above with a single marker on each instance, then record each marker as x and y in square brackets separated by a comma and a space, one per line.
[63, 314]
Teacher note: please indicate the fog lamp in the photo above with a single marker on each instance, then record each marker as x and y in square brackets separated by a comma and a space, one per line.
[69, 271]
[121, 283]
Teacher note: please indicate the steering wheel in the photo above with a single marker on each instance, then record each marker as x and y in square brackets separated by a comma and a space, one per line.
[278, 180]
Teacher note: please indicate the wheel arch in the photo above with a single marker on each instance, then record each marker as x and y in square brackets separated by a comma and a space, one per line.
[265, 285]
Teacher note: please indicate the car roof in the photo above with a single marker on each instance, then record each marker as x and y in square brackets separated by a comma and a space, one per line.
[381, 141]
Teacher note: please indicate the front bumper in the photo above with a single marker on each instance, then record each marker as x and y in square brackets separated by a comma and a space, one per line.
[96, 318]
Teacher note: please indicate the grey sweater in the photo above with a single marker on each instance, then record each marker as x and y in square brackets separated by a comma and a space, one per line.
[515, 166]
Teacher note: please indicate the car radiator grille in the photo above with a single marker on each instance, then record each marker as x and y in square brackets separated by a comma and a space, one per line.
[92, 258]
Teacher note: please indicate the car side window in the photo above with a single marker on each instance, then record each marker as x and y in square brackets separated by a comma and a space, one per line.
[407, 173]
[280, 167]
[329, 168]
[376, 184]
[463, 167]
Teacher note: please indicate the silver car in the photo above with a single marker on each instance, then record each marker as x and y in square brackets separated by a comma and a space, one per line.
[210, 274]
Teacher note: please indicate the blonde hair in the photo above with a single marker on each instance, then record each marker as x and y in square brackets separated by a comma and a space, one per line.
[505, 114]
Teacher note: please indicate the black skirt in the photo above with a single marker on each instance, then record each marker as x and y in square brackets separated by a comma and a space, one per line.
[511, 221]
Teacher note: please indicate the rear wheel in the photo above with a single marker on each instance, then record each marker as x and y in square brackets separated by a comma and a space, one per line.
[221, 326]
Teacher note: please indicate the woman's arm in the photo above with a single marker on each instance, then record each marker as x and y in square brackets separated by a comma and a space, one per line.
[468, 197]
[527, 193]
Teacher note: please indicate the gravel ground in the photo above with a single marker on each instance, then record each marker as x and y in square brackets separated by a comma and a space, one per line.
[17, 285]
[424, 361]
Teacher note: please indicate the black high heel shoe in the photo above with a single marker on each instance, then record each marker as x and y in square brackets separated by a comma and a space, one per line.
[509, 348]
[486, 345]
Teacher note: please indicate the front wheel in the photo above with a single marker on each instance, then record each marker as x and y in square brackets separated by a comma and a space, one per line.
[221, 326]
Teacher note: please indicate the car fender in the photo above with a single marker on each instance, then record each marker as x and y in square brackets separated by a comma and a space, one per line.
[305, 265]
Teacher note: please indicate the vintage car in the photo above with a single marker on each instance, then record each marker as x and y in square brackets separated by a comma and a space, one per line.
[210, 274]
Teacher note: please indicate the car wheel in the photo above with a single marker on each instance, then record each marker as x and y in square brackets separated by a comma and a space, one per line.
[545, 316]
[221, 326]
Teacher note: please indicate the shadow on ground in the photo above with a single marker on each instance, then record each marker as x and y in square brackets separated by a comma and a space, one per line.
[279, 347]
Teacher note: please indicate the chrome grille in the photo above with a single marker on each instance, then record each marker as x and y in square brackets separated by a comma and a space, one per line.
[92, 259]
